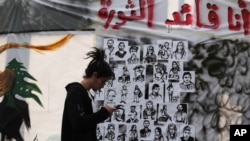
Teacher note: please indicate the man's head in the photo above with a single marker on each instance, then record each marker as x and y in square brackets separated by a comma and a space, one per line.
[132, 115]
[121, 46]
[149, 104]
[133, 49]
[172, 130]
[156, 88]
[124, 68]
[146, 123]
[119, 112]
[160, 67]
[186, 132]
[164, 106]
[111, 94]
[124, 87]
[138, 70]
[98, 71]
[110, 43]
[111, 128]
[180, 107]
[186, 77]
[132, 108]
[166, 44]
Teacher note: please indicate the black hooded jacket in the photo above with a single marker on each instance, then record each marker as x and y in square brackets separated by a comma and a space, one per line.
[79, 122]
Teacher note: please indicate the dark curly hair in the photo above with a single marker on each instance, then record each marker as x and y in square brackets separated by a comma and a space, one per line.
[98, 64]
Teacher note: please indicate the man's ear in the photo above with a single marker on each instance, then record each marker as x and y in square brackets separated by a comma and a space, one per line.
[94, 74]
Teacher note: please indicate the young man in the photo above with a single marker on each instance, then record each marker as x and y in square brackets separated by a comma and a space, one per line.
[80, 119]
[155, 94]
[187, 134]
[132, 115]
[145, 132]
[187, 84]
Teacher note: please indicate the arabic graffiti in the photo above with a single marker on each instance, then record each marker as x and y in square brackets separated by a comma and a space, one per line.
[109, 15]
[146, 9]
[245, 17]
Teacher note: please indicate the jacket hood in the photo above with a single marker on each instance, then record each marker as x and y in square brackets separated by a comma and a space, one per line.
[72, 86]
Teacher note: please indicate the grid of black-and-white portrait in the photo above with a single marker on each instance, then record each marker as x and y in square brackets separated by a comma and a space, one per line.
[146, 91]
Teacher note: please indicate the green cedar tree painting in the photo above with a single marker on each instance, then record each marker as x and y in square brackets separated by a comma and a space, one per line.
[21, 85]
[16, 81]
